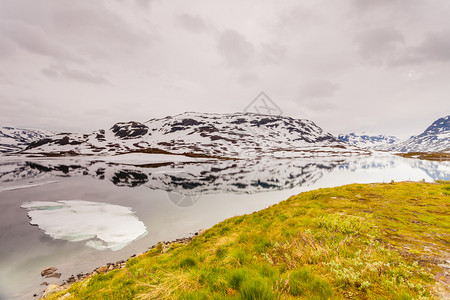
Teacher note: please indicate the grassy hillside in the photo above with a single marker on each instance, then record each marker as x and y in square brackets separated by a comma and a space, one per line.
[371, 241]
[437, 156]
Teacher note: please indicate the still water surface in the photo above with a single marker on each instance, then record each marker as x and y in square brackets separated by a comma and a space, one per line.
[77, 215]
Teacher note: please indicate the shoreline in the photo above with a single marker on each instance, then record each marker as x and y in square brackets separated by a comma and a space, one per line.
[372, 233]
[67, 283]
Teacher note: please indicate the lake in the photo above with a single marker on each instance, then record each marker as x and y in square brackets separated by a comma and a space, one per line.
[77, 214]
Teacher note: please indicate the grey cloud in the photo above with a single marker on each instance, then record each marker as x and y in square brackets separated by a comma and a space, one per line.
[72, 74]
[191, 23]
[93, 24]
[436, 46]
[33, 39]
[248, 78]
[319, 106]
[5, 79]
[6, 48]
[234, 48]
[143, 3]
[295, 18]
[369, 5]
[273, 52]
[379, 45]
[319, 89]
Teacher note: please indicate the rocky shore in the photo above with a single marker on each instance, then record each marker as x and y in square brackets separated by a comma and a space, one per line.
[50, 272]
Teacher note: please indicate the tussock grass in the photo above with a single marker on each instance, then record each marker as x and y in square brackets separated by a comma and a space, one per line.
[372, 241]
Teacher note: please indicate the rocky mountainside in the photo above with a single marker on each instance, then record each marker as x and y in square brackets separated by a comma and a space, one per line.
[367, 140]
[217, 135]
[16, 139]
[436, 138]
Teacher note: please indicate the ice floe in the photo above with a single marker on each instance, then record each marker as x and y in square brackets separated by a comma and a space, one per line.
[102, 225]
[26, 186]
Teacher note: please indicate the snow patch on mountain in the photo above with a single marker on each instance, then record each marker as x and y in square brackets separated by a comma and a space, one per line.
[368, 140]
[217, 135]
[15, 139]
[436, 138]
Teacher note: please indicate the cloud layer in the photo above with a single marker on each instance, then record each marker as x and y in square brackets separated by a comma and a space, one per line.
[356, 65]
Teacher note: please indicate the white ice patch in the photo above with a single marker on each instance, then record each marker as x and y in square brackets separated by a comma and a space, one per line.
[25, 186]
[105, 226]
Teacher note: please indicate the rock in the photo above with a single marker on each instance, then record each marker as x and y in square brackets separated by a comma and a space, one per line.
[65, 296]
[111, 267]
[44, 283]
[103, 269]
[53, 275]
[52, 288]
[165, 249]
[48, 271]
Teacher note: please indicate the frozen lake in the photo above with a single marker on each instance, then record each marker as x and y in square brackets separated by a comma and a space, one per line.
[78, 214]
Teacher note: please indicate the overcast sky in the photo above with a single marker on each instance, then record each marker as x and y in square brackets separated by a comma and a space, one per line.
[352, 65]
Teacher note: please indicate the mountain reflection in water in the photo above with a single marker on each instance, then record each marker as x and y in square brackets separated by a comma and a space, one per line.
[238, 176]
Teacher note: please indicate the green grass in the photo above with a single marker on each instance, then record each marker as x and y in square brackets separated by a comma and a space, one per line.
[372, 241]
[437, 156]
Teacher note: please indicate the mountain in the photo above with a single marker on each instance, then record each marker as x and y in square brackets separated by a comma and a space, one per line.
[436, 138]
[367, 140]
[216, 135]
[16, 139]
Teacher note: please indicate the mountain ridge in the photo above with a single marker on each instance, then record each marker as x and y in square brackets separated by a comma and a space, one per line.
[16, 139]
[435, 138]
[368, 140]
[220, 135]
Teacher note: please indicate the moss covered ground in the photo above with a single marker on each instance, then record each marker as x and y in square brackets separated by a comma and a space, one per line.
[359, 241]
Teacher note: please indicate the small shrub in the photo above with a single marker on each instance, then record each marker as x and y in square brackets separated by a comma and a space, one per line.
[303, 282]
[346, 224]
[224, 230]
[221, 252]
[240, 256]
[266, 270]
[194, 296]
[236, 279]
[256, 290]
[187, 262]
[403, 296]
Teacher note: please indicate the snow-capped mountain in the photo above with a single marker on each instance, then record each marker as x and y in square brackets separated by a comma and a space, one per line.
[436, 138]
[218, 135]
[368, 140]
[16, 139]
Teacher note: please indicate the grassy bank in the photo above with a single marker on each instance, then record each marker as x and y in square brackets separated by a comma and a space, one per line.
[436, 156]
[372, 241]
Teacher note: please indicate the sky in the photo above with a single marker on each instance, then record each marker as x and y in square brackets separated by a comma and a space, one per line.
[352, 65]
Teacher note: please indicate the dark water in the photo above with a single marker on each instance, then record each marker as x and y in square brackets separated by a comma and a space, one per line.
[77, 215]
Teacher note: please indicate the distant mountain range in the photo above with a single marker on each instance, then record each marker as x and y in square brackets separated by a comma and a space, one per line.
[214, 135]
[436, 138]
[367, 140]
[16, 139]
[219, 135]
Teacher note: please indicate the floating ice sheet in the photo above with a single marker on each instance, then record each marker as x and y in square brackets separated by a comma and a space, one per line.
[26, 186]
[103, 225]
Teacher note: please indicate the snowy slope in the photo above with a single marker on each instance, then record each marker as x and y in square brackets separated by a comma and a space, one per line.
[436, 138]
[16, 139]
[222, 135]
[368, 140]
